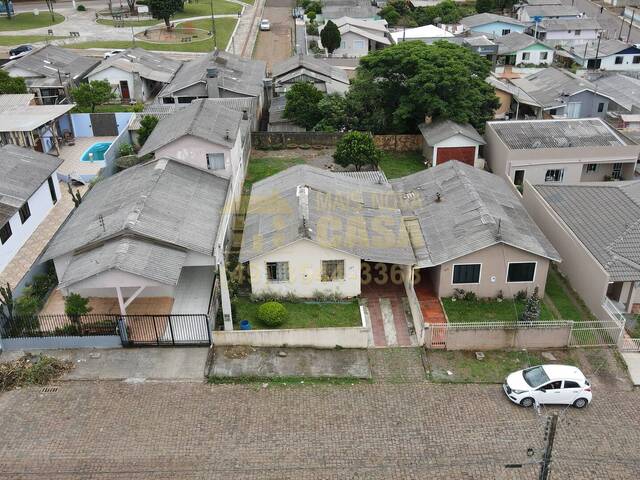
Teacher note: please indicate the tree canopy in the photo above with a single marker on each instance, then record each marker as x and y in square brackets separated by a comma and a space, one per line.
[90, 95]
[9, 84]
[164, 9]
[397, 87]
[302, 105]
[357, 149]
[147, 124]
[402, 13]
[330, 37]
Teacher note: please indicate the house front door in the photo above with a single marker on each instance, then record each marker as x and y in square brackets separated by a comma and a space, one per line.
[124, 90]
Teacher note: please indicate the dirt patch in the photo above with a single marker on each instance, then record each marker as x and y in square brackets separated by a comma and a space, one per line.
[31, 370]
[604, 367]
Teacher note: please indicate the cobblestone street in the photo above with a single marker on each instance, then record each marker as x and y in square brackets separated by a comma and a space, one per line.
[395, 429]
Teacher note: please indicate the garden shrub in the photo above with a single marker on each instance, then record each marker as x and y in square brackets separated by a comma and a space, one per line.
[272, 314]
[125, 149]
[81, 8]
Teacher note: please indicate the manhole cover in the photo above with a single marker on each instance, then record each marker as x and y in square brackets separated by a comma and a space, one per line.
[49, 389]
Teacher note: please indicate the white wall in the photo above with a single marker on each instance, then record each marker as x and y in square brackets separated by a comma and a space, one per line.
[573, 171]
[349, 45]
[305, 269]
[534, 57]
[40, 204]
[627, 65]
[346, 337]
[114, 76]
[569, 37]
[103, 285]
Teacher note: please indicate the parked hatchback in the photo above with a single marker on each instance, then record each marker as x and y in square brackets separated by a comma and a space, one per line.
[20, 51]
[551, 384]
[265, 24]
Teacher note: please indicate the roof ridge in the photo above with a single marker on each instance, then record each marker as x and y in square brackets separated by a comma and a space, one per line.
[131, 220]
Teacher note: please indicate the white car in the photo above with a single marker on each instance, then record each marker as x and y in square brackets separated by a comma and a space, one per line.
[112, 53]
[557, 384]
[265, 25]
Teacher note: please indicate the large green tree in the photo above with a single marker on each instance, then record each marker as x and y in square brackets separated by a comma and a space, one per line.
[330, 37]
[357, 149]
[333, 114]
[164, 9]
[397, 87]
[90, 95]
[302, 105]
[9, 84]
[483, 6]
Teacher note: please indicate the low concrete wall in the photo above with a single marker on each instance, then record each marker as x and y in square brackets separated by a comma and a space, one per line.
[345, 337]
[49, 343]
[399, 143]
[497, 339]
[294, 139]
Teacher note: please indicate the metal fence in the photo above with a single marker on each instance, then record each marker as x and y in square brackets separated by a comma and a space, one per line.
[59, 326]
[596, 333]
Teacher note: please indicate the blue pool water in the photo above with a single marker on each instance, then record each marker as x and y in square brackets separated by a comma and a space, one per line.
[98, 150]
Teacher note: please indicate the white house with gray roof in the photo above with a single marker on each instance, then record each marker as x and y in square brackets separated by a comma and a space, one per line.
[492, 24]
[567, 31]
[559, 151]
[359, 37]
[29, 189]
[608, 54]
[528, 13]
[522, 49]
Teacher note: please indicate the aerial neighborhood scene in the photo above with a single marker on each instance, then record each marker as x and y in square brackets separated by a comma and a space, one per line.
[320, 239]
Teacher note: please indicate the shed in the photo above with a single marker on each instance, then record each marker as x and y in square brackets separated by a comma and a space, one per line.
[446, 140]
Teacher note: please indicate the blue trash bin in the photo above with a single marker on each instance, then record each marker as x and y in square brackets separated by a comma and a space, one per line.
[244, 325]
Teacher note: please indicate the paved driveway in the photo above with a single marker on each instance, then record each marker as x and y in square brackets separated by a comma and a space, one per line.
[276, 45]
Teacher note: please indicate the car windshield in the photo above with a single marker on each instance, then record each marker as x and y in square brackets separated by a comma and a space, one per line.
[535, 376]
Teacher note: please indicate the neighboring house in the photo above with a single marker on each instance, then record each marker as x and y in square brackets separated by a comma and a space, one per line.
[612, 55]
[334, 9]
[136, 74]
[309, 230]
[149, 231]
[38, 127]
[360, 37]
[521, 49]
[558, 93]
[445, 140]
[559, 151]
[426, 33]
[277, 122]
[492, 24]
[596, 228]
[566, 31]
[624, 90]
[217, 74]
[529, 13]
[51, 71]
[305, 68]
[481, 45]
[29, 189]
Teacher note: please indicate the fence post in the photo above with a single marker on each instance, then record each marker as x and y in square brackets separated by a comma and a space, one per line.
[173, 339]
[427, 335]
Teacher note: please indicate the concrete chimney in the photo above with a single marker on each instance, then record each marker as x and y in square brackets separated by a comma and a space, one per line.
[245, 115]
[428, 119]
[213, 90]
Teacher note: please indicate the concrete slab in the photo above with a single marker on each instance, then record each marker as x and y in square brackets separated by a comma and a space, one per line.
[193, 291]
[240, 361]
[632, 359]
[169, 364]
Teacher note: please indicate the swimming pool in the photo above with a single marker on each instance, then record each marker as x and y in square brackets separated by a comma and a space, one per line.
[95, 152]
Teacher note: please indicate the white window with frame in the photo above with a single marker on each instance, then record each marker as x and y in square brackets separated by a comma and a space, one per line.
[616, 171]
[592, 167]
[544, 55]
[573, 109]
[358, 44]
[215, 161]
[619, 60]
[278, 271]
[521, 272]
[332, 270]
[526, 56]
[468, 274]
[554, 175]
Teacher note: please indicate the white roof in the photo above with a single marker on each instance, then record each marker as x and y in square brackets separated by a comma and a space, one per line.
[427, 31]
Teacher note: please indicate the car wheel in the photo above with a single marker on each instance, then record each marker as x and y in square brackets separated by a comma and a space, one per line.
[527, 402]
[580, 403]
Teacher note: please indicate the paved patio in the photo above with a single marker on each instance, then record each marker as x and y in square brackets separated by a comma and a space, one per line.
[33, 247]
[71, 154]
[100, 305]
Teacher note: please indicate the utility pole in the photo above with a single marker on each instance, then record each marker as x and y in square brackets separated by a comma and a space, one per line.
[633, 14]
[549, 437]
[213, 27]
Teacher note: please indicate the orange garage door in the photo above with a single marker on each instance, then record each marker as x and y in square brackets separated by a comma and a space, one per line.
[464, 154]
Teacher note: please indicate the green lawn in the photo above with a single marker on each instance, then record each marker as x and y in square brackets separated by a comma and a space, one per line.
[224, 28]
[27, 20]
[260, 168]
[130, 23]
[400, 164]
[109, 108]
[304, 315]
[11, 40]
[488, 310]
[570, 306]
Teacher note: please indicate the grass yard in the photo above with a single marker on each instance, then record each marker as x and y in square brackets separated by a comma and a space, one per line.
[400, 164]
[131, 23]
[488, 310]
[110, 108]
[569, 305]
[11, 40]
[224, 29]
[261, 168]
[27, 21]
[304, 315]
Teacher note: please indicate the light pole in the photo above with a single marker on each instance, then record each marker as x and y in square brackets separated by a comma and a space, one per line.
[213, 27]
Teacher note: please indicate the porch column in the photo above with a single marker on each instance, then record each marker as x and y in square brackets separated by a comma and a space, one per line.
[123, 310]
[224, 295]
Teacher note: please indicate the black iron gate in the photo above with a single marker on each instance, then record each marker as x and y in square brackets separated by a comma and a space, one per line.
[104, 124]
[164, 330]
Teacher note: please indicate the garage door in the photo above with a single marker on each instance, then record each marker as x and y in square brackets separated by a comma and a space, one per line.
[464, 154]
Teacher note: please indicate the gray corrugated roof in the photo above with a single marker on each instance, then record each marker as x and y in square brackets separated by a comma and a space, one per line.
[150, 65]
[625, 91]
[514, 42]
[333, 210]
[550, 86]
[485, 18]
[566, 133]
[607, 47]
[476, 210]
[236, 74]
[606, 219]
[551, 11]
[558, 24]
[164, 200]
[369, 176]
[440, 130]
[30, 117]
[10, 100]
[202, 118]
[543, 2]
[127, 254]
[312, 64]
[22, 172]
[47, 60]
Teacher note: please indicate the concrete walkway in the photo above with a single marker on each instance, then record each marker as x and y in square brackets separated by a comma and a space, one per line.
[632, 359]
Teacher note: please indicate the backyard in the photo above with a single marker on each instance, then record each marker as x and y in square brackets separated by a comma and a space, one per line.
[303, 314]
[261, 168]
[400, 164]
[26, 21]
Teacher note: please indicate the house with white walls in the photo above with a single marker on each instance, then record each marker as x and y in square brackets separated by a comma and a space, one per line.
[522, 49]
[492, 24]
[426, 33]
[136, 74]
[359, 37]
[29, 189]
[607, 54]
[566, 31]
[528, 13]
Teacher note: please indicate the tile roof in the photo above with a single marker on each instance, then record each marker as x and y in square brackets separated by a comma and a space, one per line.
[566, 133]
[486, 18]
[515, 41]
[23, 172]
[436, 132]
[202, 118]
[606, 219]
[149, 65]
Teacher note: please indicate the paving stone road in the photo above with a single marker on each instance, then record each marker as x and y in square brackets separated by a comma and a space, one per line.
[98, 430]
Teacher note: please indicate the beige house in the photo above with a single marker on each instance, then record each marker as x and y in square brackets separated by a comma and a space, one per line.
[595, 227]
[451, 226]
[559, 151]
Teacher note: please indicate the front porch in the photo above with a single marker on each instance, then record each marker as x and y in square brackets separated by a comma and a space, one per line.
[106, 305]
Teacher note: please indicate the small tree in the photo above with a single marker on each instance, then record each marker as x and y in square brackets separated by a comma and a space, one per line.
[330, 37]
[302, 105]
[483, 6]
[7, 303]
[531, 311]
[165, 9]
[75, 305]
[357, 149]
[76, 198]
[92, 94]
[9, 84]
[147, 124]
